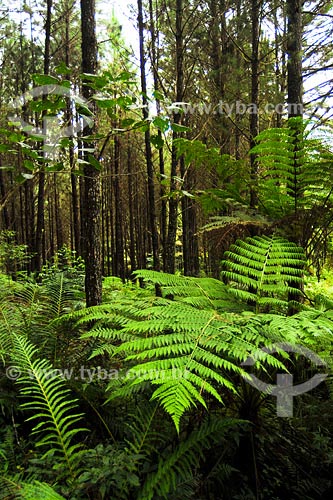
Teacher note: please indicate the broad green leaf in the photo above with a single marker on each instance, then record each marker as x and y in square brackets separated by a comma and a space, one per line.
[62, 69]
[127, 122]
[179, 128]
[158, 95]
[44, 79]
[94, 162]
[29, 165]
[157, 141]
[161, 123]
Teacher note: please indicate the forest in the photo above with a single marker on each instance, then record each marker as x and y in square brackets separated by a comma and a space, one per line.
[166, 250]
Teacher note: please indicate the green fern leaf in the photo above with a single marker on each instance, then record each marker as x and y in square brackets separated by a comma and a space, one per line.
[48, 398]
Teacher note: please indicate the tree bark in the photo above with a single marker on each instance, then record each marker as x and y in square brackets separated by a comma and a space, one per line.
[41, 179]
[155, 64]
[294, 50]
[254, 116]
[92, 181]
[149, 158]
[119, 240]
[170, 247]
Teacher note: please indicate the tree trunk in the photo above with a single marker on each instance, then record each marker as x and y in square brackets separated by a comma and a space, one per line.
[254, 116]
[70, 120]
[92, 181]
[130, 207]
[295, 109]
[155, 64]
[170, 247]
[189, 225]
[294, 50]
[149, 158]
[41, 179]
[119, 241]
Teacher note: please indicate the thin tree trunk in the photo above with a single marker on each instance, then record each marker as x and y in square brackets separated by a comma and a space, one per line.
[155, 64]
[119, 251]
[57, 216]
[170, 247]
[3, 195]
[295, 98]
[130, 207]
[294, 49]
[70, 119]
[41, 179]
[254, 116]
[149, 158]
[189, 225]
[92, 181]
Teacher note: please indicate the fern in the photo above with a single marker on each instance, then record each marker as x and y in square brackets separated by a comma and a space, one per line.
[292, 179]
[201, 293]
[55, 413]
[182, 355]
[264, 271]
[14, 489]
[179, 465]
[189, 353]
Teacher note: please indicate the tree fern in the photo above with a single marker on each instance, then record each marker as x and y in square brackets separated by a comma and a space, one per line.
[264, 271]
[295, 186]
[291, 180]
[190, 354]
[183, 355]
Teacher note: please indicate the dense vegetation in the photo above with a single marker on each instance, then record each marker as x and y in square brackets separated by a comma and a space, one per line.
[166, 307]
[147, 396]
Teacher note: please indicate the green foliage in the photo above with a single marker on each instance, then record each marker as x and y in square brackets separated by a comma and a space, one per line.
[12, 255]
[38, 491]
[190, 347]
[67, 262]
[266, 271]
[50, 405]
[16, 489]
[177, 468]
[29, 316]
[178, 353]
[295, 171]
[109, 469]
[294, 186]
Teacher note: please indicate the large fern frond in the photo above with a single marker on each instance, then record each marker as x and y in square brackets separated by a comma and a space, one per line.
[203, 293]
[190, 354]
[265, 271]
[48, 399]
[292, 178]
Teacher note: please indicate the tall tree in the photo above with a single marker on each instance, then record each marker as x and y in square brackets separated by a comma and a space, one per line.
[294, 50]
[40, 229]
[170, 247]
[92, 180]
[254, 118]
[149, 156]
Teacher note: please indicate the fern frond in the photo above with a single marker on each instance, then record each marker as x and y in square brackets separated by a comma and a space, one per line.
[55, 412]
[189, 354]
[185, 458]
[198, 292]
[265, 270]
[38, 491]
[144, 440]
